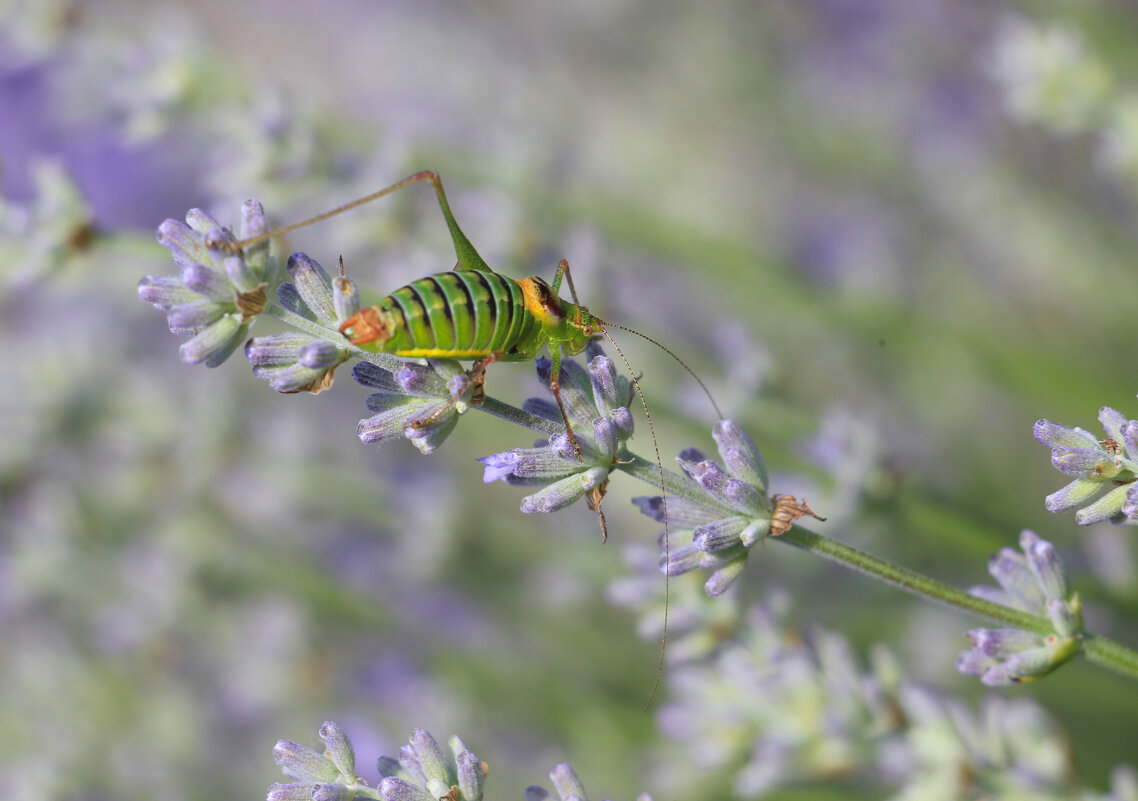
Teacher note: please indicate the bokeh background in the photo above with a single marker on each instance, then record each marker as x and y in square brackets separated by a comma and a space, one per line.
[889, 236]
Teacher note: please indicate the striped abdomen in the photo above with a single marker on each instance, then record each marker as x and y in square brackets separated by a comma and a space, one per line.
[456, 314]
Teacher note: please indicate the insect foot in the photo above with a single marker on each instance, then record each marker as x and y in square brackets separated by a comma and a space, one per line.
[726, 508]
[596, 400]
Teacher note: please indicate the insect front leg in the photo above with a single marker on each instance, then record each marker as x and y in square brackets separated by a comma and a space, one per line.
[555, 388]
[563, 272]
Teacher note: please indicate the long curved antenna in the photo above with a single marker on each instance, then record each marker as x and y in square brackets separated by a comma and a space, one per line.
[664, 509]
[691, 372]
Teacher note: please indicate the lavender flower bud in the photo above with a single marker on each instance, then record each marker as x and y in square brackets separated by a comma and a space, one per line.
[1045, 565]
[207, 282]
[722, 579]
[198, 313]
[608, 393]
[314, 287]
[164, 292]
[566, 782]
[471, 774]
[319, 354]
[622, 418]
[1074, 494]
[388, 766]
[289, 297]
[1130, 437]
[1011, 571]
[294, 791]
[395, 789]
[1001, 643]
[561, 493]
[276, 349]
[339, 748]
[1056, 436]
[253, 223]
[606, 437]
[1085, 462]
[431, 758]
[719, 535]
[680, 560]
[214, 344]
[1108, 507]
[1130, 506]
[303, 763]
[740, 454]
[334, 791]
[681, 512]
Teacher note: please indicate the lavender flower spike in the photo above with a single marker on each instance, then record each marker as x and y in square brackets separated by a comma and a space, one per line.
[421, 402]
[732, 513]
[1094, 464]
[1035, 582]
[568, 786]
[295, 362]
[219, 292]
[424, 773]
[596, 400]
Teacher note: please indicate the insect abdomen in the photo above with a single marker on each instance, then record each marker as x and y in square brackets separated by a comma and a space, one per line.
[457, 314]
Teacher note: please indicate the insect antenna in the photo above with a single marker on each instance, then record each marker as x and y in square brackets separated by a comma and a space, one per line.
[660, 466]
[681, 362]
[664, 509]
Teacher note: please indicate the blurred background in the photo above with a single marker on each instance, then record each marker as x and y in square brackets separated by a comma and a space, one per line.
[887, 236]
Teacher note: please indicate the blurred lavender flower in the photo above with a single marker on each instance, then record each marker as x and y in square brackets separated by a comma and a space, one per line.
[1033, 581]
[697, 625]
[423, 773]
[728, 509]
[294, 362]
[778, 708]
[596, 400]
[567, 785]
[1048, 75]
[419, 401]
[1093, 463]
[41, 235]
[219, 293]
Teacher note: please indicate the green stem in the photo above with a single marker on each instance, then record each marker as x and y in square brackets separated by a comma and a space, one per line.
[910, 581]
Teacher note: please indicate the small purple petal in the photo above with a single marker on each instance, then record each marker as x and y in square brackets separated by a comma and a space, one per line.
[719, 535]
[319, 354]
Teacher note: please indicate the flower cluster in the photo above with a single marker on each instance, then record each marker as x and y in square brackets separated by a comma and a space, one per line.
[328, 776]
[220, 291]
[421, 773]
[567, 785]
[419, 401]
[1095, 464]
[1033, 581]
[295, 362]
[596, 401]
[726, 508]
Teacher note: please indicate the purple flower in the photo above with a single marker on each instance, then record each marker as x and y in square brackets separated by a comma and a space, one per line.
[596, 400]
[1092, 463]
[219, 292]
[295, 362]
[421, 402]
[567, 785]
[424, 773]
[1033, 581]
[727, 510]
